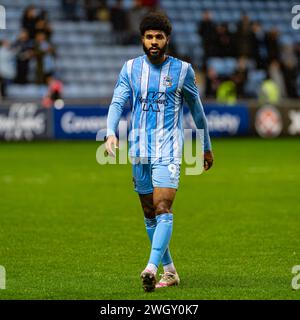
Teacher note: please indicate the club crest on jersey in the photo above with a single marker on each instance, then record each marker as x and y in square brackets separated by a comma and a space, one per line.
[167, 82]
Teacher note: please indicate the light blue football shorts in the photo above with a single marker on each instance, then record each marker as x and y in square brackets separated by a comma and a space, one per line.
[163, 174]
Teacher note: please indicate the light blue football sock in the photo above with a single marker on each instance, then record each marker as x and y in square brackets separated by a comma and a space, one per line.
[161, 237]
[150, 228]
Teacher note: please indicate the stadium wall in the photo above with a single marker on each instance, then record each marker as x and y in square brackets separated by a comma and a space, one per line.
[28, 121]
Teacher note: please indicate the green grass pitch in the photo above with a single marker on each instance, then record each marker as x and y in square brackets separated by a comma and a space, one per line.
[72, 229]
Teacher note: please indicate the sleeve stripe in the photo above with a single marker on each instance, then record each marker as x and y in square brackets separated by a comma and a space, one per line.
[129, 71]
[183, 73]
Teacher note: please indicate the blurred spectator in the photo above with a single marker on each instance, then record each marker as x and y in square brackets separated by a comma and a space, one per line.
[269, 92]
[288, 54]
[290, 74]
[212, 82]
[96, 10]
[272, 40]
[34, 48]
[43, 25]
[23, 48]
[275, 74]
[103, 13]
[259, 48]
[207, 32]
[289, 69]
[29, 20]
[223, 41]
[226, 92]
[135, 15]
[44, 54]
[297, 53]
[119, 21]
[54, 93]
[240, 76]
[249, 42]
[7, 68]
[70, 9]
[244, 39]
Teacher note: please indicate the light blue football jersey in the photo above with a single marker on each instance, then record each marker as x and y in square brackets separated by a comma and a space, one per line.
[156, 94]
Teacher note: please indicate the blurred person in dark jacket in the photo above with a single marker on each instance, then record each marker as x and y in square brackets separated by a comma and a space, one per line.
[29, 20]
[23, 48]
[70, 8]
[212, 81]
[244, 39]
[207, 32]
[119, 21]
[223, 41]
[92, 8]
[240, 76]
[43, 24]
[297, 53]
[259, 48]
[273, 47]
[290, 74]
[44, 54]
[135, 15]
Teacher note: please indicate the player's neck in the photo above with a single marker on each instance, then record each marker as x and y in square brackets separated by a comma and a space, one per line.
[159, 60]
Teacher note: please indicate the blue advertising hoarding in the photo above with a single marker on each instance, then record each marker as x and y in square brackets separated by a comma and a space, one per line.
[227, 121]
[84, 122]
[28, 121]
[79, 122]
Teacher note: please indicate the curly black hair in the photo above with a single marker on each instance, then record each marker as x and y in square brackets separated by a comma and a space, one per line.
[156, 20]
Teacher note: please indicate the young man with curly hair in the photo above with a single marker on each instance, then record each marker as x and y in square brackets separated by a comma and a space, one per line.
[156, 85]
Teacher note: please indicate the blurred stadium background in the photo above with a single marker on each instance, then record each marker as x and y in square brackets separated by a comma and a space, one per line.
[242, 41]
[61, 230]
[245, 53]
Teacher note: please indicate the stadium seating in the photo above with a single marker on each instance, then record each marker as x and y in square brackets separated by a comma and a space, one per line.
[88, 62]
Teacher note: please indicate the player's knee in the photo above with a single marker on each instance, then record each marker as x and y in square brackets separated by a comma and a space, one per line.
[149, 211]
[162, 207]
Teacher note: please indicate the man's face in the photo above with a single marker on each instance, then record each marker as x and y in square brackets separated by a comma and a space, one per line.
[155, 43]
[40, 37]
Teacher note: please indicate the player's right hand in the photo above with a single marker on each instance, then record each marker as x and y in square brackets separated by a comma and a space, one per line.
[111, 144]
[208, 160]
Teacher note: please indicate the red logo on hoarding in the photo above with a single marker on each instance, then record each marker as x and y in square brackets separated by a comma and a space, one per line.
[268, 122]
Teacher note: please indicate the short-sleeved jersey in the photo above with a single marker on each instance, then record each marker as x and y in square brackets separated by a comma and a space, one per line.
[156, 94]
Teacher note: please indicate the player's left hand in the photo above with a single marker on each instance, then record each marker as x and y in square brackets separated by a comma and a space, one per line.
[208, 160]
